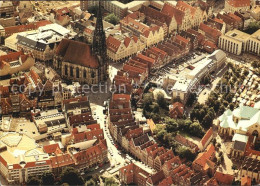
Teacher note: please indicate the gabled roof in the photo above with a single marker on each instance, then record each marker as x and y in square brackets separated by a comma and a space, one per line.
[246, 181]
[21, 28]
[51, 148]
[166, 181]
[157, 15]
[113, 44]
[156, 178]
[238, 3]
[172, 11]
[61, 160]
[184, 5]
[203, 159]
[206, 137]
[222, 178]
[77, 53]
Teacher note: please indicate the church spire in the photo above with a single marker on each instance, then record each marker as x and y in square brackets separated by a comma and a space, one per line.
[99, 38]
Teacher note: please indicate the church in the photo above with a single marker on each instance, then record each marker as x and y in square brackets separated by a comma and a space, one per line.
[81, 62]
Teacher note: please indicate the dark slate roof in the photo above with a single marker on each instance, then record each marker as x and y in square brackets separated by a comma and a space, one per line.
[30, 43]
[72, 106]
[238, 145]
[55, 122]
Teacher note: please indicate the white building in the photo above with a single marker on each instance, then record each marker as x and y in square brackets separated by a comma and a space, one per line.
[42, 43]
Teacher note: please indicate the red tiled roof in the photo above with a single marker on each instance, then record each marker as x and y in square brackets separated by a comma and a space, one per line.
[113, 43]
[184, 5]
[239, 3]
[16, 166]
[209, 46]
[156, 178]
[222, 178]
[77, 99]
[35, 77]
[234, 16]
[22, 28]
[166, 156]
[134, 133]
[206, 137]
[127, 41]
[61, 160]
[218, 20]
[62, 11]
[88, 30]
[177, 108]
[6, 102]
[180, 38]
[2, 160]
[145, 58]
[50, 148]
[173, 163]
[77, 53]
[173, 12]
[134, 24]
[245, 181]
[203, 159]
[124, 97]
[209, 30]
[93, 126]
[166, 181]
[211, 182]
[161, 17]
[10, 57]
[135, 38]
[81, 118]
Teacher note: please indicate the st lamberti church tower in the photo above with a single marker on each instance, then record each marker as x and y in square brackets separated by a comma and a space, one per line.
[82, 62]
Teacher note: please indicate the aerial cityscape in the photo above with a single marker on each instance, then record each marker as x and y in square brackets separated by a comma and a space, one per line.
[130, 92]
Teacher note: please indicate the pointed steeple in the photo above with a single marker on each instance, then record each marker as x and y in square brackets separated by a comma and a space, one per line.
[99, 38]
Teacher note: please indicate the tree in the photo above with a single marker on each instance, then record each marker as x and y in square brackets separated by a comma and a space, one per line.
[48, 178]
[93, 10]
[196, 129]
[214, 141]
[33, 181]
[156, 108]
[185, 152]
[148, 99]
[161, 100]
[255, 64]
[171, 125]
[231, 106]
[71, 176]
[253, 27]
[160, 132]
[191, 99]
[184, 124]
[110, 181]
[112, 18]
[207, 121]
[90, 182]
[156, 117]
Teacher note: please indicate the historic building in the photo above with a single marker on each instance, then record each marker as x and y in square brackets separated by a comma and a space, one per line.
[120, 47]
[236, 5]
[15, 62]
[81, 62]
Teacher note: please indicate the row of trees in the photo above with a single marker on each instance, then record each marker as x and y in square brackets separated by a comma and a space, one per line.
[185, 126]
[68, 176]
